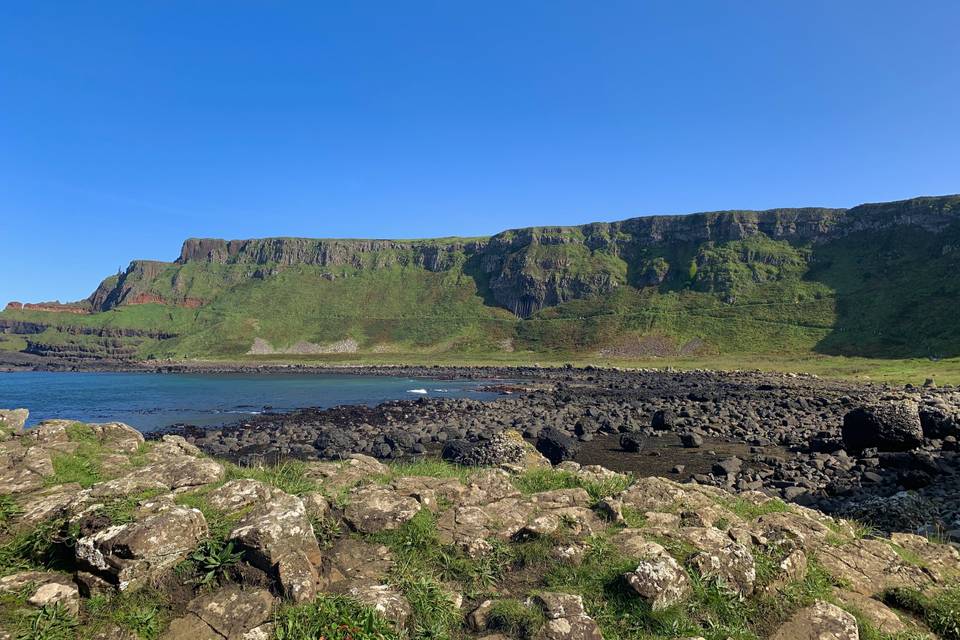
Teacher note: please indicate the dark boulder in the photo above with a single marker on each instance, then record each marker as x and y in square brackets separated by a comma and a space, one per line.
[939, 420]
[891, 426]
[728, 467]
[457, 450]
[691, 440]
[556, 446]
[632, 442]
[663, 420]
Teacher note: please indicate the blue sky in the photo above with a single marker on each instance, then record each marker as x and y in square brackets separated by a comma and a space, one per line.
[126, 127]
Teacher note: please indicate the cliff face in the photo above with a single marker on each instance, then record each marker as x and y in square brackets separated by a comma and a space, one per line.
[881, 275]
[526, 270]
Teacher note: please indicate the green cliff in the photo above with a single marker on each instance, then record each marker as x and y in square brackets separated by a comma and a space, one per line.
[876, 280]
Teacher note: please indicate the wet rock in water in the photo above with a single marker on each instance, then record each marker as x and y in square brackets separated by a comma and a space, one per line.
[821, 621]
[631, 442]
[728, 466]
[889, 426]
[691, 440]
[556, 446]
[663, 420]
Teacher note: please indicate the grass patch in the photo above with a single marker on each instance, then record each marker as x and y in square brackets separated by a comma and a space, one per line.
[145, 612]
[515, 619]
[748, 510]
[424, 563]
[48, 545]
[429, 469]
[332, 617]
[940, 610]
[82, 467]
[9, 509]
[52, 622]
[549, 479]
[289, 476]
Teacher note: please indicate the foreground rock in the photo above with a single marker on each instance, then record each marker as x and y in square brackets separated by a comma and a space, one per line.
[566, 552]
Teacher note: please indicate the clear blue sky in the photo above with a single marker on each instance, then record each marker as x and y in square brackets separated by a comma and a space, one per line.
[126, 127]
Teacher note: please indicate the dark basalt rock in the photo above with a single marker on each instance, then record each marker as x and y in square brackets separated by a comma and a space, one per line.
[939, 420]
[632, 442]
[890, 426]
[691, 440]
[556, 446]
[663, 420]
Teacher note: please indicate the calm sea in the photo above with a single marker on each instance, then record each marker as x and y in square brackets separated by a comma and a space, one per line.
[149, 401]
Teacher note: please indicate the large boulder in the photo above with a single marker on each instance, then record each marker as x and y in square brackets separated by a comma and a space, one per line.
[278, 537]
[377, 508]
[939, 418]
[502, 448]
[556, 446]
[658, 579]
[12, 421]
[890, 426]
[229, 613]
[663, 420]
[820, 621]
[566, 618]
[131, 553]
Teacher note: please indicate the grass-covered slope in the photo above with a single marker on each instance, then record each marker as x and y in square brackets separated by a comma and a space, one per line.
[876, 281]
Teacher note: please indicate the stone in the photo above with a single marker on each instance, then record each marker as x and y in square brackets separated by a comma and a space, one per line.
[876, 613]
[130, 553]
[53, 593]
[12, 421]
[177, 472]
[385, 600]
[631, 442]
[566, 618]
[232, 611]
[663, 420]
[277, 536]
[556, 446]
[691, 440]
[658, 579]
[890, 426]
[478, 618]
[869, 567]
[238, 494]
[820, 621]
[376, 508]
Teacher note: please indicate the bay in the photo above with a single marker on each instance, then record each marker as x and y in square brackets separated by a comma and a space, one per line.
[149, 401]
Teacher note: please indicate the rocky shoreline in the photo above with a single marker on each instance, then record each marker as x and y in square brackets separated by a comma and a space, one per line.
[744, 431]
[105, 535]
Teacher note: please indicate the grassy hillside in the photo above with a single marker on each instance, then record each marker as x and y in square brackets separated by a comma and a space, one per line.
[876, 281]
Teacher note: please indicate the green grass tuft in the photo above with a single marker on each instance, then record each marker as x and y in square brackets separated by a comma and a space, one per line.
[332, 617]
[550, 479]
[515, 619]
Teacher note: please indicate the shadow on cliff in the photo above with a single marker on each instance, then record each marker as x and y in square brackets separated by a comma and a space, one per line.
[897, 294]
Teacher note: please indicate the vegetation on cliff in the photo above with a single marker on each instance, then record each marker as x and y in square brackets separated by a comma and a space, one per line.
[875, 281]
